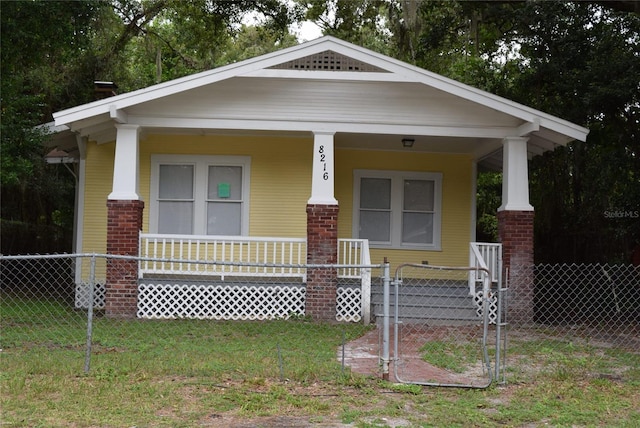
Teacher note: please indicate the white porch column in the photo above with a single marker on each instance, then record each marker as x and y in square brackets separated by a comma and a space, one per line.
[515, 175]
[515, 228]
[322, 179]
[125, 168]
[322, 232]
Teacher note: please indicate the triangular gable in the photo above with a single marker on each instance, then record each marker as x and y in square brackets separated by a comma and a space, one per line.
[328, 61]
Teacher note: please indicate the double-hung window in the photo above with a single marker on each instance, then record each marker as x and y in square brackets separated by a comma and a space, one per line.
[398, 209]
[199, 195]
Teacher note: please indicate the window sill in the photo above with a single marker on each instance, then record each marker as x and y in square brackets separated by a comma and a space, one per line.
[405, 247]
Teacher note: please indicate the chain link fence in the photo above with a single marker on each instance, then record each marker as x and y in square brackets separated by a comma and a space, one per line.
[444, 333]
[186, 321]
[597, 303]
[249, 328]
[586, 321]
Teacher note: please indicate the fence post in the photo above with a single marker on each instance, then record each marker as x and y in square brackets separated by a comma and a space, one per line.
[365, 293]
[92, 276]
[501, 321]
[385, 319]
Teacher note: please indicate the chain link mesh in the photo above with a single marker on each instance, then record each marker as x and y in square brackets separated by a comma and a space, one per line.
[441, 334]
[590, 303]
[44, 302]
[37, 303]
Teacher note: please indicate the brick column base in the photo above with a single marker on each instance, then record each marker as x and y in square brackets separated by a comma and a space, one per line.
[124, 222]
[515, 229]
[322, 248]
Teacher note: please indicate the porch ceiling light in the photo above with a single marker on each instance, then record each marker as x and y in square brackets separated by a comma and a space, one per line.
[407, 142]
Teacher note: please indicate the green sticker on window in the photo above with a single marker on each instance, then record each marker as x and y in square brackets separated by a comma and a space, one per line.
[224, 190]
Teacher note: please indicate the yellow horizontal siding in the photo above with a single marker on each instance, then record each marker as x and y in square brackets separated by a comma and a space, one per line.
[99, 182]
[280, 175]
[281, 186]
[456, 201]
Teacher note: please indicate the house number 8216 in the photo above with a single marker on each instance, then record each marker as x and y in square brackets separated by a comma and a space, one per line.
[323, 161]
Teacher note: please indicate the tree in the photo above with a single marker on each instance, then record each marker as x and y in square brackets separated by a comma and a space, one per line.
[583, 63]
[53, 51]
[357, 21]
[577, 60]
[34, 65]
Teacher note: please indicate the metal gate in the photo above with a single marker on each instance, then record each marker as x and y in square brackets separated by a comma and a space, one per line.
[440, 330]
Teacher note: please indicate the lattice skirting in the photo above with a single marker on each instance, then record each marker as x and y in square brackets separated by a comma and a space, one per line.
[219, 302]
[82, 295]
[223, 302]
[493, 305]
[349, 304]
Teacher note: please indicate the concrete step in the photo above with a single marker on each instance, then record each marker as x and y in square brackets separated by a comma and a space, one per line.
[430, 304]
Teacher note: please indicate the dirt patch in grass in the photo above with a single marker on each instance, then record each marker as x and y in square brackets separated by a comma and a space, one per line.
[296, 402]
[363, 356]
[224, 421]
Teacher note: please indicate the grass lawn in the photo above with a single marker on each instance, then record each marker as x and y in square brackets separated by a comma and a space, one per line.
[283, 373]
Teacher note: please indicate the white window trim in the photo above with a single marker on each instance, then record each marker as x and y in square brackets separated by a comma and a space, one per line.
[201, 165]
[397, 196]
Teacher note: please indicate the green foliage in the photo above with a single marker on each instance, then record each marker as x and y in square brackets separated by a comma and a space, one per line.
[575, 60]
[251, 41]
[489, 191]
[360, 22]
[53, 51]
[583, 66]
[33, 64]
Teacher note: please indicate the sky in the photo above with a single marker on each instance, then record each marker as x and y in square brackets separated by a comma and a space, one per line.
[306, 31]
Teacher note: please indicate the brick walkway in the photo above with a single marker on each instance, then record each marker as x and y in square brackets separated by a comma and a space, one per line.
[363, 356]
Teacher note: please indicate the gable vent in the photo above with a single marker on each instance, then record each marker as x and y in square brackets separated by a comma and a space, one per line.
[329, 61]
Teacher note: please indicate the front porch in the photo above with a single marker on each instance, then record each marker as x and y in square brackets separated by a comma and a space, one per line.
[249, 278]
[254, 278]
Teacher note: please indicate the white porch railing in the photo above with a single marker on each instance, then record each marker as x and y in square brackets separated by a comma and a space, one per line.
[239, 250]
[487, 256]
[258, 257]
[355, 252]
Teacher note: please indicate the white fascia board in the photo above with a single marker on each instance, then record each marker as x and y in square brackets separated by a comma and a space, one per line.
[333, 126]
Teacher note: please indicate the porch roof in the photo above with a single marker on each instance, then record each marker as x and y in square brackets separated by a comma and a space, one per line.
[370, 100]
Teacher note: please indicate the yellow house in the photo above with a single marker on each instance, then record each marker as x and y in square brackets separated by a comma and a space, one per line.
[295, 153]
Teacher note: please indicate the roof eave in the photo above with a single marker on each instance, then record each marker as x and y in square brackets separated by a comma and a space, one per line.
[567, 130]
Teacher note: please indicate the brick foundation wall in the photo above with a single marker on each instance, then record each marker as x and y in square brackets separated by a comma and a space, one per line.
[322, 248]
[515, 229]
[124, 222]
